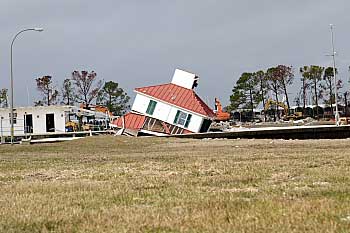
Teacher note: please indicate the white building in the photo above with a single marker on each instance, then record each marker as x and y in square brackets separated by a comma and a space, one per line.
[172, 108]
[42, 119]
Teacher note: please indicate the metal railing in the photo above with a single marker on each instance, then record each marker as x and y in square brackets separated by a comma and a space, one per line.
[5, 128]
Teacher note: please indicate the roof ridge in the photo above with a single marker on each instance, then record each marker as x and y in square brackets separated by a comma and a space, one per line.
[164, 84]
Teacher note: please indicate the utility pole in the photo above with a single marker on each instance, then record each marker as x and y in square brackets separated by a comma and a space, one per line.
[335, 79]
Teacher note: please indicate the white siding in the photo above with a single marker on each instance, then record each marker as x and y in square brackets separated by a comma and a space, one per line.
[162, 111]
[196, 123]
[39, 119]
[166, 112]
[140, 103]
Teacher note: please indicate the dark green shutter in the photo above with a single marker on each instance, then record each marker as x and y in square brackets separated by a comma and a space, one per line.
[188, 120]
[151, 107]
[154, 103]
[177, 116]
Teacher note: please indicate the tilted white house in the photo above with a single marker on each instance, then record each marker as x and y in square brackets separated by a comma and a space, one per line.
[172, 108]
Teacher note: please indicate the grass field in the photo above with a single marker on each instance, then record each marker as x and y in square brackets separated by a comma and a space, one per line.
[120, 184]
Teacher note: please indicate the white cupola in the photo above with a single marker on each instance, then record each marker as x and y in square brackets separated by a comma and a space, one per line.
[185, 79]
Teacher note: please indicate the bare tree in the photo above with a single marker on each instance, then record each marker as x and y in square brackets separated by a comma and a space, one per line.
[87, 87]
[68, 97]
[3, 98]
[274, 85]
[285, 77]
[47, 89]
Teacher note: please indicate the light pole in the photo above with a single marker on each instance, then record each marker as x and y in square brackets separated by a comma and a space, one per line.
[13, 40]
[335, 79]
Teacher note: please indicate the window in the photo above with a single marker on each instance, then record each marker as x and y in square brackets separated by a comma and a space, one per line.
[182, 118]
[151, 106]
[14, 118]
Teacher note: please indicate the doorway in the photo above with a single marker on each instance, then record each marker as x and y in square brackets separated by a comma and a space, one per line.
[28, 126]
[50, 122]
[205, 126]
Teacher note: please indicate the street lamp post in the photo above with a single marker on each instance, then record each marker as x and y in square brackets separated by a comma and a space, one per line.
[335, 79]
[13, 40]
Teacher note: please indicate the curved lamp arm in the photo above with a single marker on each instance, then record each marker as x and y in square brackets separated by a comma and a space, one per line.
[13, 41]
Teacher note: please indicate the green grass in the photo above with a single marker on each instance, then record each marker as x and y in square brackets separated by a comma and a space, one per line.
[121, 184]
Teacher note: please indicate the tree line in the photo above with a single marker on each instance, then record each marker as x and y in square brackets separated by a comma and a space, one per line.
[253, 89]
[82, 87]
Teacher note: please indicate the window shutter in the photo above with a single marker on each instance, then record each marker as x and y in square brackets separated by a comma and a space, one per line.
[188, 120]
[177, 116]
[151, 107]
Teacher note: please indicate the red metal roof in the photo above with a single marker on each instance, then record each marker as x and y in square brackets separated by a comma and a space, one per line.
[179, 96]
[186, 131]
[131, 121]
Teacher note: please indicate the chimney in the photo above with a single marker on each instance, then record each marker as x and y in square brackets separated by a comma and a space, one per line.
[185, 79]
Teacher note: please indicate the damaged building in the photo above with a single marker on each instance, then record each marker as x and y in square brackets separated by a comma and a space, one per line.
[172, 108]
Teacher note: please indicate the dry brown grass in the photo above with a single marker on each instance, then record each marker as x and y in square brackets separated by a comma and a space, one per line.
[119, 184]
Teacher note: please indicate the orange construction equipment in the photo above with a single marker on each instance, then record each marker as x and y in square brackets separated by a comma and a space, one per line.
[219, 114]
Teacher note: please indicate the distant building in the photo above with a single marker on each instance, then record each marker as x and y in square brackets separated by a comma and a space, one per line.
[46, 119]
[172, 108]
